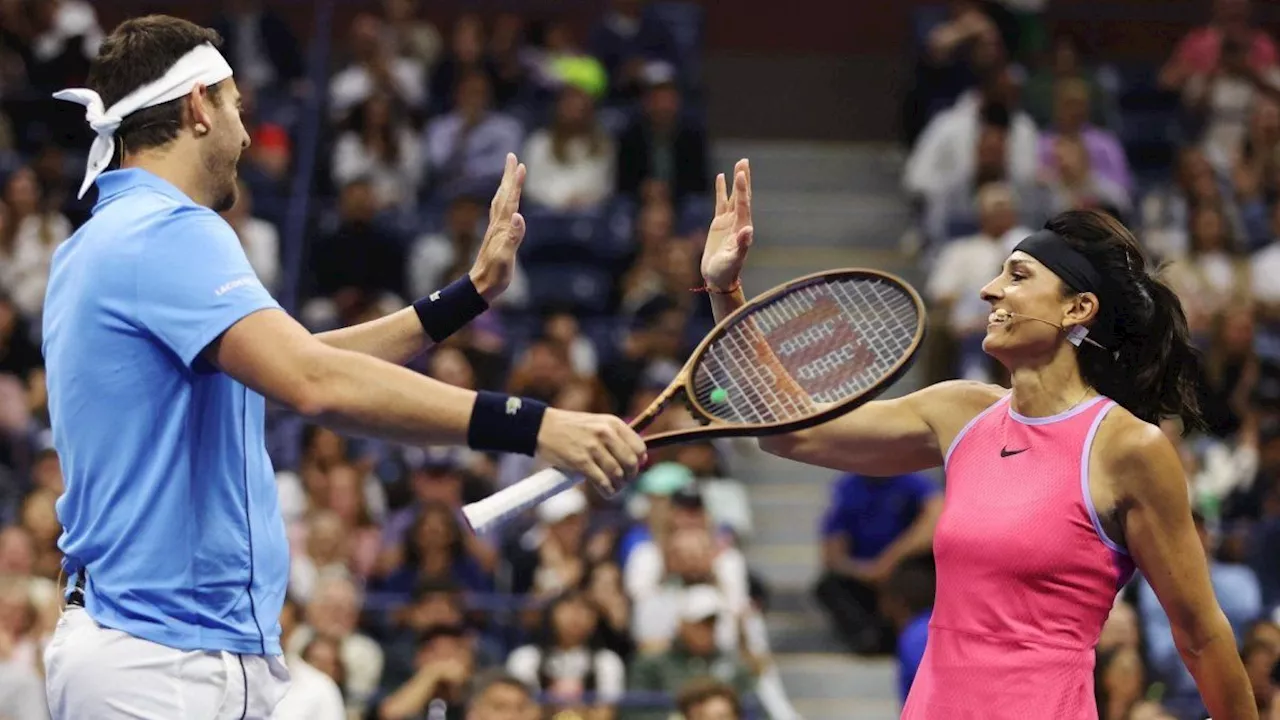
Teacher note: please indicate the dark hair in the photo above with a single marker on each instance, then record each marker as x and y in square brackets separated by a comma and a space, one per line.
[1150, 366]
[700, 690]
[481, 683]
[140, 51]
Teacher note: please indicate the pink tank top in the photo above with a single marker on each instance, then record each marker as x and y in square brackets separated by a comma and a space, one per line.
[1026, 574]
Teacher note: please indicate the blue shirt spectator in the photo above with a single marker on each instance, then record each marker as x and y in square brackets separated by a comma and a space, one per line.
[911, 645]
[1240, 596]
[872, 512]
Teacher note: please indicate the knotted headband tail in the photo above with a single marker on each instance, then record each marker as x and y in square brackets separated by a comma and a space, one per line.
[203, 65]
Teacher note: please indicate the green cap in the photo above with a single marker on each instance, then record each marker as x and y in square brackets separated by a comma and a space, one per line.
[665, 479]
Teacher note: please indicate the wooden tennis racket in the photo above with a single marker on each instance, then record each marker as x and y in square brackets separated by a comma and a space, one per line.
[797, 356]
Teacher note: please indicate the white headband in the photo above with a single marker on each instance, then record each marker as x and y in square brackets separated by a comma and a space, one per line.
[204, 65]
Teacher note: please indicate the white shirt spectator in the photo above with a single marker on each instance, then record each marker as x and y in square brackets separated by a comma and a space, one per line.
[1230, 102]
[657, 605]
[261, 243]
[944, 156]
[392, 184]
[27, 276]
[963, 268]
[361, 658]
[527, 663]
[354, 84]
[1264, 269]
[312, 695]
[582, 180]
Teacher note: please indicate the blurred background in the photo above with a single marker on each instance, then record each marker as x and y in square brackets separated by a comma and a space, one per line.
[924, 138]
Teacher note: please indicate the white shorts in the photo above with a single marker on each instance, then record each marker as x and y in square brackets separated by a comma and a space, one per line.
[96, 673]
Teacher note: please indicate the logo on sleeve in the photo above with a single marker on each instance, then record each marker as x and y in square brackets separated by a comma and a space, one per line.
[513, 405]
[229, 286]
[434, 296]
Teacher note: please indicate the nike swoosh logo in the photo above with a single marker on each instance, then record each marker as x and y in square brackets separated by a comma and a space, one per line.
[1006, 452]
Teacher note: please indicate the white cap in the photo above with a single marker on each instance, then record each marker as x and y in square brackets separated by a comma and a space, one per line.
[699, 603]
[558, 507]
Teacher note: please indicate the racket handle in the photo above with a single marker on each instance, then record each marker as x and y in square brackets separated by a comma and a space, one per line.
[491, 512]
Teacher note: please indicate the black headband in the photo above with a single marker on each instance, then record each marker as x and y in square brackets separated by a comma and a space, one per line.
[1053, 252]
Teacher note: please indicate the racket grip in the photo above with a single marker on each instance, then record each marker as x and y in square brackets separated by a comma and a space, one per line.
[490, 513]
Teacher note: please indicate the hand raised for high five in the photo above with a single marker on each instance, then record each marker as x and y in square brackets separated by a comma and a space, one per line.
[496, 261]
[731, 233]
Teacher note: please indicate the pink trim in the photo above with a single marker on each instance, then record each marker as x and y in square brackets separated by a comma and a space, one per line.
[955, 442]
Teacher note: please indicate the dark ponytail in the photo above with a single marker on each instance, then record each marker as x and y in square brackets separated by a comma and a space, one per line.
[1150, 366]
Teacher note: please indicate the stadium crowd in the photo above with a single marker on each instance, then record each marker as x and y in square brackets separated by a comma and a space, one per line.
[582, 609]
[1010, 121]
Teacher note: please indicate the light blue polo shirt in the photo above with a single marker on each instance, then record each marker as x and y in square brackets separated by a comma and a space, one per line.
[170, 502]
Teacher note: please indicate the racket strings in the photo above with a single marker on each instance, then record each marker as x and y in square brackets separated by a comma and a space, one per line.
[820, 344]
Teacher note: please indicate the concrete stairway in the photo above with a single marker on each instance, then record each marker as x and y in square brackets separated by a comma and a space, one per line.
[817, 206]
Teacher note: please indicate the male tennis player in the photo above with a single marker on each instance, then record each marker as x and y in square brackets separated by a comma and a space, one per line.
[161, 345]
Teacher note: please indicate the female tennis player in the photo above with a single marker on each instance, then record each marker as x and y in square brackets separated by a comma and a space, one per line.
[1056, 490]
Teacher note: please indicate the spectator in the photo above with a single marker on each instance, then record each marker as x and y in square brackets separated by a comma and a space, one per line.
[1074, 184]
[32, 233]
[332, 614]
[571, 161]
[1119, 682]
[603, 587]
[1238, 594]
[312, 694]
[625, 40]
[21, 688]
[320, 549]
[871, 527]
[499, 696]
[259, 238]
[1068, 64]
[260, 46]
[466, 56]
[1260, 659]
[467, 147]
[435, 549]
[1167, 209]
[378, 144]
[374, 67]
[445, 663]
[649, 353]
[944, 157]
[1201, 52]
[707, 699]
[963, 267]
[551, 557]
[437, 259]
[408, 35]
[264, 168]
[1213, 277]
[357, 266]
[1071, 120]
[945, 67]
[694, 653]
[568, 663]
[908, 603]
[18, 354]
[1223, 99]
[660, 152]
[40, 520]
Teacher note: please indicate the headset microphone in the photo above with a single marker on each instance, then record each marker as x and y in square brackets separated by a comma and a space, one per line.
[1076, 334]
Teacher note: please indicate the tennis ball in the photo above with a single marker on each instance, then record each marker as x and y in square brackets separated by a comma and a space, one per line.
[719, 395]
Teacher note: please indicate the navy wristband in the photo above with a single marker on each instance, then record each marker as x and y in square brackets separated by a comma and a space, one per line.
[444, 312]
[505, 423]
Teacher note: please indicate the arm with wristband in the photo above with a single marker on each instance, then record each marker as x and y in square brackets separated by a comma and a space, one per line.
[401, 336]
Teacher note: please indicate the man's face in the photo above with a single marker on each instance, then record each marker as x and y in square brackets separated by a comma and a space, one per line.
[225, 141]
[503, 702]
[699, 637]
